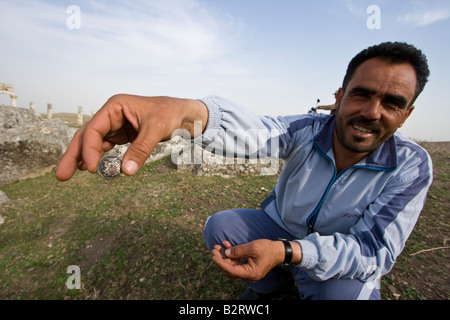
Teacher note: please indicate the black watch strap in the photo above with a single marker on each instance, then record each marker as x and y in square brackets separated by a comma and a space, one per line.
[287, 252]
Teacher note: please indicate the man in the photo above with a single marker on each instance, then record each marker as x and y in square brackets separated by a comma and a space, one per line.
[349, 194]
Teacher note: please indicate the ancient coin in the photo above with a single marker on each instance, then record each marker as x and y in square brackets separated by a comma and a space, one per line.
[109, 167]
[222, 252]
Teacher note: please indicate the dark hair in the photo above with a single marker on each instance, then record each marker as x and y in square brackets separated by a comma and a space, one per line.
[393, 52]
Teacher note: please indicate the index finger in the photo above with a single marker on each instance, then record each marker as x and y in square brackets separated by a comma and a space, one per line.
[71, 158]
[93, 140]
[88, 143]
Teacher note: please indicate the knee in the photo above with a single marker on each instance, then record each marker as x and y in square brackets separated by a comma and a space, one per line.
[235, 225]
[213, 231]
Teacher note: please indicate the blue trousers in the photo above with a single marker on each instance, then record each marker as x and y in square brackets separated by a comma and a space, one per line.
[240, 226]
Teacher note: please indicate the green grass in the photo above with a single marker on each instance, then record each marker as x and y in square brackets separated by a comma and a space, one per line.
[141, 237]
[133, 237]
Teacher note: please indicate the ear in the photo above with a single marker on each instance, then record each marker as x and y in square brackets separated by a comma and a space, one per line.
[339, 94]
[406, 116]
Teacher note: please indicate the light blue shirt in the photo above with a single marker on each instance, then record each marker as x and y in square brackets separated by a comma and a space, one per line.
[350, 225]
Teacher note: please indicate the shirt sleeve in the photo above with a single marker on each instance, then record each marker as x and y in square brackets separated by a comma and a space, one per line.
[235, 131]
[370, 249]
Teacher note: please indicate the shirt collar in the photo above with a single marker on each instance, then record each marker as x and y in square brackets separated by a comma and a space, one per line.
[382, 158]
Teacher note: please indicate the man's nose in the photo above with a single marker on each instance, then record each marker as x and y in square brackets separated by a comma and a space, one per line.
[372, 110]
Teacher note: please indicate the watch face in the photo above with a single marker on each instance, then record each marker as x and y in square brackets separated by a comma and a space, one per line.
[109, 167]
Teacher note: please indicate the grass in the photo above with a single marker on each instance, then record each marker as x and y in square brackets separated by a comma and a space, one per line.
[141, 237]
[133, 237]
[421, 271]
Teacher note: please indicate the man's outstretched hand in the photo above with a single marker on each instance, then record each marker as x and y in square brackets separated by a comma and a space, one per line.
[143, 121]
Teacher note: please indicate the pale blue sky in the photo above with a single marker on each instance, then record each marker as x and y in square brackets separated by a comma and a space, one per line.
[275, 57]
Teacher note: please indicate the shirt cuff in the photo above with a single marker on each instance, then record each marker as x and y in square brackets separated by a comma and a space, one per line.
[214, 124]
[310, 254]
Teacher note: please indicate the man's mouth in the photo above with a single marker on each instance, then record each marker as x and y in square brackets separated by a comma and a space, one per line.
[362, 129]
[363, 126]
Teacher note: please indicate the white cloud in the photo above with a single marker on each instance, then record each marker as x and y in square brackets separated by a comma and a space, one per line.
[416, 12]
[354, 8]
[173, 30]
[426, 18]
[144, 34]
[142, 47]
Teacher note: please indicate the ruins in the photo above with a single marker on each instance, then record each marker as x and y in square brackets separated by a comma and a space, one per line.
[7, 88]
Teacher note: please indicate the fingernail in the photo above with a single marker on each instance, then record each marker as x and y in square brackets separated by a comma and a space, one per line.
[227, 252]
[130, 167]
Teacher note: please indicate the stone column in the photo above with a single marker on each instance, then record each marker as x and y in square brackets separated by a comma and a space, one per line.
[32, 107]
[13, 100]
[80, 116]
[49, 110]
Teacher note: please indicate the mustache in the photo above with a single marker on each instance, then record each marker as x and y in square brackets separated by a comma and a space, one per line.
[372, 125]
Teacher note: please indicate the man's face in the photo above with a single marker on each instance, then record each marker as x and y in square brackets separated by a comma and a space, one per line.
[374, 105]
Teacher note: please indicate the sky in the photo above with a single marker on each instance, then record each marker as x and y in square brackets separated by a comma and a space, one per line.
[273, 57]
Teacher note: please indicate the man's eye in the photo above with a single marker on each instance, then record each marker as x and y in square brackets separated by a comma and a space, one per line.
[392, 106]
[360, 95]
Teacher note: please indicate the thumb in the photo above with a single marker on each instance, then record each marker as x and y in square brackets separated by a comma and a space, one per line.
[137, 153]
[237, 251]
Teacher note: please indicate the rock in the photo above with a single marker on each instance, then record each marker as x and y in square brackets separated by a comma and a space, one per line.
[161, 150]
[189, 157]
[3, 200]
[29, 144]
[205, 163]
[393, 291]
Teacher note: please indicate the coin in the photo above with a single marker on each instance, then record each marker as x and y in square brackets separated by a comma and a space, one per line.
[222, 252]
[109, 167]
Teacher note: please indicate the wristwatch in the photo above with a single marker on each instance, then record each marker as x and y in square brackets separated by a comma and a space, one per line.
[287, 252]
